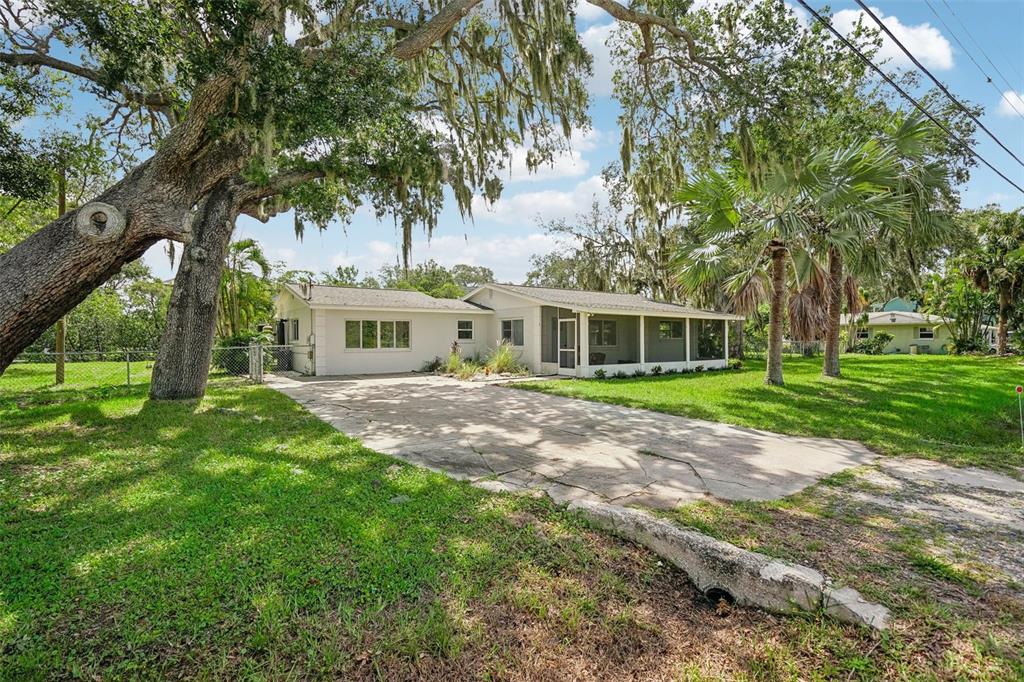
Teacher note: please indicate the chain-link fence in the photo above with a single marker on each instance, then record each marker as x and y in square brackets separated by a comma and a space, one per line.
[53, 371]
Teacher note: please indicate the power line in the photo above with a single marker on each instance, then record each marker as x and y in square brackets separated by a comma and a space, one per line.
[981, 70]
[937, 82]
[976, 44]
[906, 96]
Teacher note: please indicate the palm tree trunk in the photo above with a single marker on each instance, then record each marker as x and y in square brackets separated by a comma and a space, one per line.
[775, 321]
[835, 310]
[1004, 307]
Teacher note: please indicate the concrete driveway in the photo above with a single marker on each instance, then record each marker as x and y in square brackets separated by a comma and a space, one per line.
[509, 439]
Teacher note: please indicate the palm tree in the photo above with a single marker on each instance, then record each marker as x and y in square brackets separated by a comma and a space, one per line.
[998, 264]
[244, 294]
[733, 214]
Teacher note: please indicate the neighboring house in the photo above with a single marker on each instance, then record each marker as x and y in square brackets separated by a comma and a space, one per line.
[555, 331]
[912, 332]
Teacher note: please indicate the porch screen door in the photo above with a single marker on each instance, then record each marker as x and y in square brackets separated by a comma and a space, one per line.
[567, 344]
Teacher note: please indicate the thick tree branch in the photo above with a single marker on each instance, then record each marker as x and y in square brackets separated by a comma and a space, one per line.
[426, 35]
[154, 100]
[644, 21]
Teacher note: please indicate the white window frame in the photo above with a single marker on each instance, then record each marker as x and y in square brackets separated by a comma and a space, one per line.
[378, 348]
[600, 333]
[929, 331]
[459, 330]
[294, 329]
[863, 333]
[671, 323]
[512, 331]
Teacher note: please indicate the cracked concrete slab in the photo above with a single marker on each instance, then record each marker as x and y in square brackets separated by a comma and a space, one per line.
[570, 449]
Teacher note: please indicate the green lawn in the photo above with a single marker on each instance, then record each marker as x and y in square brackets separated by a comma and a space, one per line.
[242, 537]
[960, 410]
[31, 376]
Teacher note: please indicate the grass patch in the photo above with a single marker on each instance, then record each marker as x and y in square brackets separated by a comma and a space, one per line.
[959, 410]
[240, 536]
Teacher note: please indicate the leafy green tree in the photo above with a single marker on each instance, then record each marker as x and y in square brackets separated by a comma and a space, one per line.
[964, 307]
[996, 264]
[342, 276]
[430, 277]
[246, 292]
[240, 119]
[469, 277]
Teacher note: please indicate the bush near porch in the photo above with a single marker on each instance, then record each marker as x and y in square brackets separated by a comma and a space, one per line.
[959, 410]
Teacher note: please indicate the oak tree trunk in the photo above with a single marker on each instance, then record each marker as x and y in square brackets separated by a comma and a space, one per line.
[53, 270]
[777, 314]
[830, 368]
[186, 346]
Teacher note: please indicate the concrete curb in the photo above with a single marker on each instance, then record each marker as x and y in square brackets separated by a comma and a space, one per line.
[750, 578]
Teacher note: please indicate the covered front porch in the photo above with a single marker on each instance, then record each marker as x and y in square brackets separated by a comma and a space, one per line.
[579, 343]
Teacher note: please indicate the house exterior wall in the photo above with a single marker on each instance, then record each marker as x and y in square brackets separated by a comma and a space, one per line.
[627, 340]
[663, 350]
[906, 334]
[430, 336]
[508, 307]
[288, 307]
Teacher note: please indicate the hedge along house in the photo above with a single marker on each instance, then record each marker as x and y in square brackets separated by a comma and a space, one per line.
[554, 331]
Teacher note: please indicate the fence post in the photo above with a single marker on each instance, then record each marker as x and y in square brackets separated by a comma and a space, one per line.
[128, 364]
[256, 363]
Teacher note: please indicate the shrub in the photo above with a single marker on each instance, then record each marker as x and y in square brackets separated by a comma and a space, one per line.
[698, 368]
[620, 375]
[453, 363]
[600, 374]
[433, 365]
[504, 360]
[672, 370]
[875, 345]
[467, 370]
[735, 363]
[639, 373]
[657, 370]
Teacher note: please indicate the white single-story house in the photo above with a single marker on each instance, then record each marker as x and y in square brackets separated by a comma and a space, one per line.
[912, 332]
[352, 330]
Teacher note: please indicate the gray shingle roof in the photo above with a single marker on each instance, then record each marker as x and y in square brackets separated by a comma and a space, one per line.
[602, 300]
[356, 297]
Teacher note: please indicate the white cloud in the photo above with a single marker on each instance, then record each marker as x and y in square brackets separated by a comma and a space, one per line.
[595, 40]
[923, 40]
[587, 12]
[517, 209]
[507, 255]
[567, 164]
[1011, 103]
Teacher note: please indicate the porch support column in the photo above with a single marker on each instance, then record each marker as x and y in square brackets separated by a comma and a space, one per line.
[643, 343]
[726, 323]
[583, 333]
[686, 320]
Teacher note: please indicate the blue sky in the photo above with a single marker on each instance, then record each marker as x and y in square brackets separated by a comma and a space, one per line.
[504, 236]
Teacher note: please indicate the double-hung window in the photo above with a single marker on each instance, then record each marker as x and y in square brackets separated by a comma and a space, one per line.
[670, 329]
[603, 333]
[925, 333]
[295, 330]
[464, 330]
[374, 334]
[863, 333]
[512, 332]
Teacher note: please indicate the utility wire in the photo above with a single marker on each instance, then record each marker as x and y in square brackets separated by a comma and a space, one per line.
[827, 24]
[935, 80]
[976, 44]
[981, 70]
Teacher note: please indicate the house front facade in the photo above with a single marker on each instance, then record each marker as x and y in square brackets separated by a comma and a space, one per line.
[912, 332]
[351, 330]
